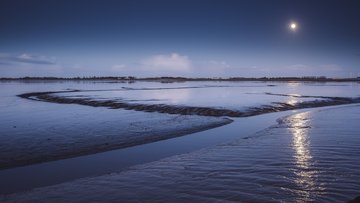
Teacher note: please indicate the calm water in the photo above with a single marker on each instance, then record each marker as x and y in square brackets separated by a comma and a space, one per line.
[307, 157]
[26, 118]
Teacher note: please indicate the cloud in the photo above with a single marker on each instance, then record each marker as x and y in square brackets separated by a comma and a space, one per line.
[26, 59]
[332, 70]
[4, 63]
[171, 62]
[299, 67]
[219, 64]
[211, 68]
[118, 67]
[29, 65]
[320, 68]
[331, 67]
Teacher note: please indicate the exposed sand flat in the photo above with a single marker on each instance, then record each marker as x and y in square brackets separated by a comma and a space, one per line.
[306, 157]
[75, 132]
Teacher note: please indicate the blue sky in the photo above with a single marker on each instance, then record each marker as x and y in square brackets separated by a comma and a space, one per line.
[179, 38]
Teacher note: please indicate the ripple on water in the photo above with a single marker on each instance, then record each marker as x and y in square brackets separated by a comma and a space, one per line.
[308, 157]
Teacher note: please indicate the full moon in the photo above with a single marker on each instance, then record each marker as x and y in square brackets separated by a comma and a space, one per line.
[293, 26]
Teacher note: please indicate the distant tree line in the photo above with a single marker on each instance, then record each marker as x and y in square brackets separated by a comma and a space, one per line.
[179, 79]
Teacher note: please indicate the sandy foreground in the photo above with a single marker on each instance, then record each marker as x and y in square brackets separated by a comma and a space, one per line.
[306, 157]
[75, 132]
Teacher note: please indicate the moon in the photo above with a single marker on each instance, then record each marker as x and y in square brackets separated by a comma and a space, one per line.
[293, 26]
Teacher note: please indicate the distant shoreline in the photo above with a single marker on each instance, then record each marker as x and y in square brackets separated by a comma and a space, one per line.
[184, 79]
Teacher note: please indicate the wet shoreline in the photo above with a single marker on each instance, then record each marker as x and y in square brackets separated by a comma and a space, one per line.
[94, 145]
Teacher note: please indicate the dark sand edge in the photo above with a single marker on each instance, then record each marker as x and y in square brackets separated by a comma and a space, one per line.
[191, 110]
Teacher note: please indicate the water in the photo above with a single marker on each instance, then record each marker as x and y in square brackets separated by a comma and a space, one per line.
[54, 172]
[31, 120]
[307, 157]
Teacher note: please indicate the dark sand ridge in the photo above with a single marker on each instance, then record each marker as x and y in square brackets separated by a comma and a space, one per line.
[191, 110]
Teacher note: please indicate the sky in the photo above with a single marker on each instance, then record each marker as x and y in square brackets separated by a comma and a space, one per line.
[190, 38]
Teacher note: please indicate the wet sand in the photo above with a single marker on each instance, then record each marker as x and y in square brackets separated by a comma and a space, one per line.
[75, 132]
